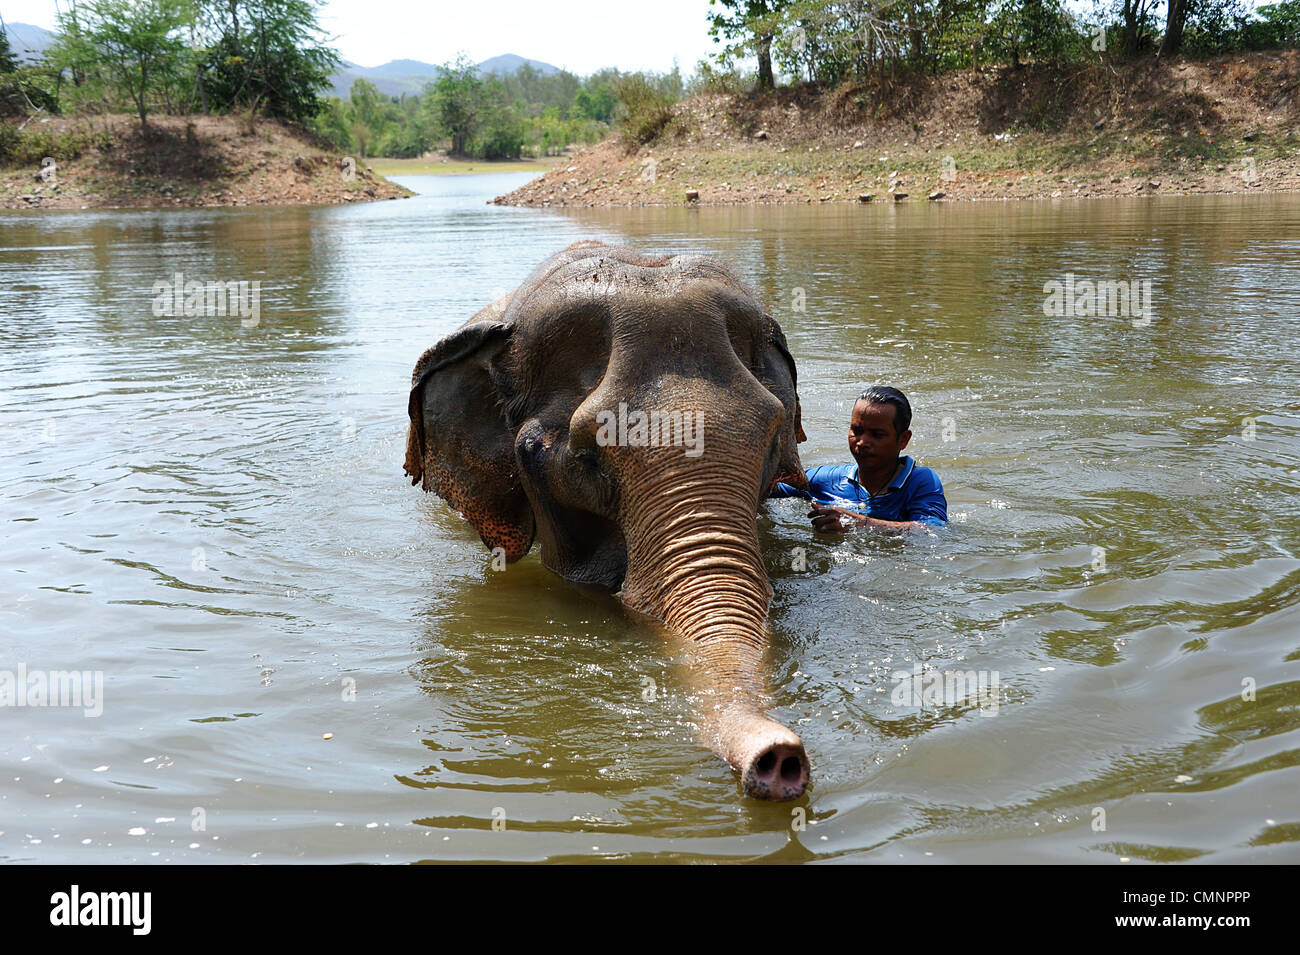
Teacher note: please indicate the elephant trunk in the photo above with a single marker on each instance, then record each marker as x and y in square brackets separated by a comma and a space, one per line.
[695, 564]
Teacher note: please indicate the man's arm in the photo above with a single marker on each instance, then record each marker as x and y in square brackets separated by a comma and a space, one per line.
[813, 476]
[785, 490]
[928, 508]
[838, 520]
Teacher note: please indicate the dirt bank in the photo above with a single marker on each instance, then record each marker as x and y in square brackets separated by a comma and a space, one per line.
[1226, 125]
[108, 162]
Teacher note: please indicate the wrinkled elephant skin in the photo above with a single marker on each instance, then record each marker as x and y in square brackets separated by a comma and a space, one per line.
[628, 415]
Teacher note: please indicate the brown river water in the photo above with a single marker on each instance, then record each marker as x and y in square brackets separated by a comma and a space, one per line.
[206, 515]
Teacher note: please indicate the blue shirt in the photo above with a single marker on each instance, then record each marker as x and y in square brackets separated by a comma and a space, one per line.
[914, 494]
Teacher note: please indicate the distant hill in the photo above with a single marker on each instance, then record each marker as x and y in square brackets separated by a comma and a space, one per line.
[410, 76]
[401, 68]
[508, 63]
[28, 41]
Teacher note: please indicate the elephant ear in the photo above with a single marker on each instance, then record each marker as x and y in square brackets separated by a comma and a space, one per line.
[780, 377]
[460, 445]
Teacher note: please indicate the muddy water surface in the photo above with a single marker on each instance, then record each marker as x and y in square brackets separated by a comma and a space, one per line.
[210, 513]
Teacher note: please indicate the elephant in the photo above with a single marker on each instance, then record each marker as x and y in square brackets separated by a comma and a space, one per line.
[628, 414]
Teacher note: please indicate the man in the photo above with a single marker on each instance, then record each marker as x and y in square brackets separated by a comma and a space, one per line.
[881, 490]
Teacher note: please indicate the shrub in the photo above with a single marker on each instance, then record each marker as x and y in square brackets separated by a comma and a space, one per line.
[718, 79]
[22, 147]
[646, 109]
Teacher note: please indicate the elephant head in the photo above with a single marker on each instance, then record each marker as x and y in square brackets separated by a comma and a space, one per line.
[628, 414]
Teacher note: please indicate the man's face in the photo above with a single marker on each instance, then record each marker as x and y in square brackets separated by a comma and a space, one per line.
[872, 439]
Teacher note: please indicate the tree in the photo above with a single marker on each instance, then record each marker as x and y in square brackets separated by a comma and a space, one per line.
[24, 87]
[502, 133]
[1035, 29]
[136, 44]
[1137, 15]
[367, 103]
[335, 124]
[268, 55]
[1281, 24]
[12, 97]
[1217, 26]
[456, 102]
[743, 19]
[597, 104]
[8, 61]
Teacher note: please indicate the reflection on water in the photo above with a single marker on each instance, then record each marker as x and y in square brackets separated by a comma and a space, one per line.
[214, 517]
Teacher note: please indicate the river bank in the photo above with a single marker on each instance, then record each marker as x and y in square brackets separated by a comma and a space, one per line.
[109, 162]
[1225, 125]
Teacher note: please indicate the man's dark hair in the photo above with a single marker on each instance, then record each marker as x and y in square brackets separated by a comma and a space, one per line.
[884, 395]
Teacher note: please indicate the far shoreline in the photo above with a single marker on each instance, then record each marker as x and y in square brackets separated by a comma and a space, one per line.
[1228, 125]
[446, 166]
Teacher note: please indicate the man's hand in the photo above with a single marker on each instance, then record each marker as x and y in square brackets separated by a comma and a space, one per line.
[835, 520]
[839, 520]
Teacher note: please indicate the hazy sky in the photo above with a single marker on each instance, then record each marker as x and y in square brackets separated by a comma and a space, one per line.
[578, 35]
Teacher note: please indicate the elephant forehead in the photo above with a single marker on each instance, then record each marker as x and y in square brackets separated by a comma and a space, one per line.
[597, 257]
[630, 298]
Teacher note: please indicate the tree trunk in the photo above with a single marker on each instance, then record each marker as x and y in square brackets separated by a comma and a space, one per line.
[1174, 23]
[1130, 35]
[203, 92]
[234, 21]
[765, 79]
[916, 37]
[144, 91]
